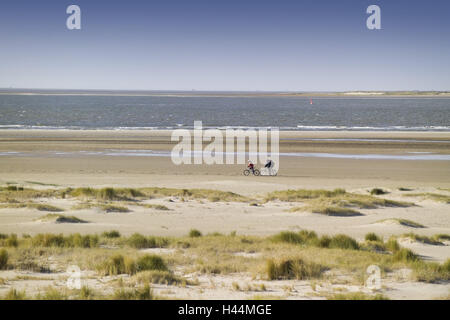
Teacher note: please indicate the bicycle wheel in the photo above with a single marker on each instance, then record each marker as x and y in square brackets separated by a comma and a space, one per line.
[246, 172]
[256, 172]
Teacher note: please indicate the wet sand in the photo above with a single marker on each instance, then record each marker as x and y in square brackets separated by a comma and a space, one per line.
[44, 160]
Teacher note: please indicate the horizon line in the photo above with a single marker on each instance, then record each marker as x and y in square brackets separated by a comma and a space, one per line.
[362, 91]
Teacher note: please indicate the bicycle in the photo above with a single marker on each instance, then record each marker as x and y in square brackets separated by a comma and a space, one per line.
[248, 171]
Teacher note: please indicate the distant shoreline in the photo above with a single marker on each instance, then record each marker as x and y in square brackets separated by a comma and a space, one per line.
[193, 93]
[399, 129]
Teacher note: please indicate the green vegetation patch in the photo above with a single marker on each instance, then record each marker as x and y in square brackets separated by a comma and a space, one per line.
[432, 272]
[155, 192]
[139, 241]
[357, 296]
[403, 222]
[377, 191]
[337, 202]
[155, 206]
[59, 218]
[14, 294]
[31, 205]
[158, 277]
[118, 264]
[305, 237]
[194, 233]
[71, 241]
[150, 262]
[144, 293]
[329, 211]
[293, 269]
[111, 234]
[4, 256]
[423, 239]
[432, 196]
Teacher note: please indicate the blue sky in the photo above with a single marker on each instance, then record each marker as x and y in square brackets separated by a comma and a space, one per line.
[312, 45]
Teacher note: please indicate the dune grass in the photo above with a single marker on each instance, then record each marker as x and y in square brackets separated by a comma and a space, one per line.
[432, 196]
[71, 241]
[154, 206]
[44, 207]
[303, 194]
[405, 255]
[431, 272]
[118, 194]
[150, 262]
[337, 202]
[9, 240]
[41, 183]
[139, 241]
[377, 192]
[13, 188]
[106, 207]
[301, 237]
[357, 296]
[143, 293]
[110, 208]
[154, 192]
[59, 218]
[85, 205]
[194, 233]
[12, 205]
[343, 241]
[111, 234]
[442, 237]
[52, 293]
[119, 264]
[336, 211]
[371, 236]
[293, 269]
[374, 246]
[403, 222]
[328, 210]
[31, 205]
[207, 194]
[3, 259]
[337, 197]
[286, 255]
[310, 238]
[104, 193]
[14, 294]
[86, 293]
[158, 277]
[423, 239]
[114, 207]
[13, 192]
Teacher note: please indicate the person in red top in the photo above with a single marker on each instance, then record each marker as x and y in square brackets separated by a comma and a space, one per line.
[251, 166]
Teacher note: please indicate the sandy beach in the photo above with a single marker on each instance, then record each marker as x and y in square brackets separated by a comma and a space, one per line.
[58, 159]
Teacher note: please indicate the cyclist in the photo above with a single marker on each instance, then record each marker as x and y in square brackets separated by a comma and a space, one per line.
[251, 166]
